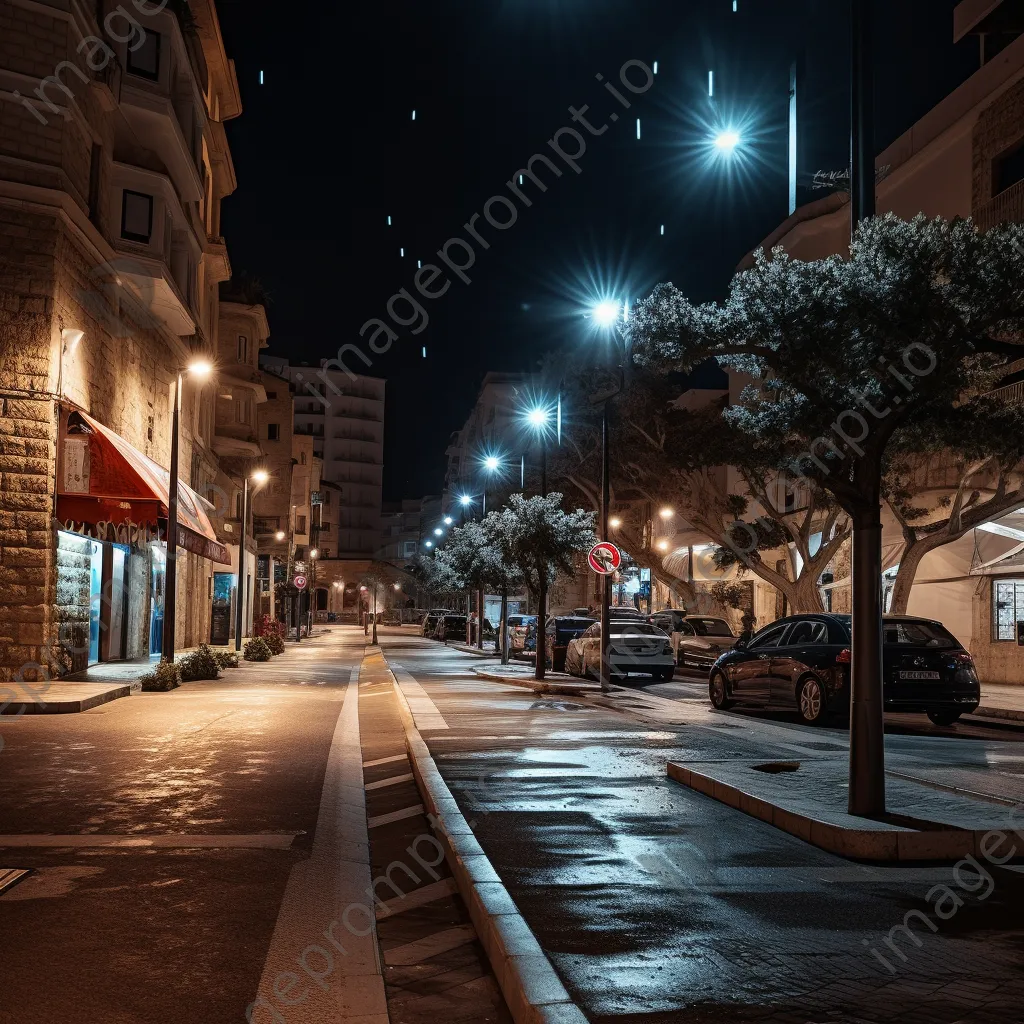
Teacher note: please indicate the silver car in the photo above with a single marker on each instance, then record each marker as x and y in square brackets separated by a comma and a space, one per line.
[702, 638]
[636, 647]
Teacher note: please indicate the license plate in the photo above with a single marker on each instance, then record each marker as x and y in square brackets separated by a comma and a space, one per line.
[920, 675]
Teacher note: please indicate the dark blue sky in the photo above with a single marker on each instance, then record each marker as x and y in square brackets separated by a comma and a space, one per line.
[326, 150]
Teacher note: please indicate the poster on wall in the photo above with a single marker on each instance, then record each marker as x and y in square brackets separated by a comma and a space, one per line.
[76, 465]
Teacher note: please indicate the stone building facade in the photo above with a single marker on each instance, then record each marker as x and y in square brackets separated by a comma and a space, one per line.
[113, 164]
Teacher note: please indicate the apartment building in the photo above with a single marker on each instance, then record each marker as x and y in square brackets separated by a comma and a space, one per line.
[113, 167]
[344, 417]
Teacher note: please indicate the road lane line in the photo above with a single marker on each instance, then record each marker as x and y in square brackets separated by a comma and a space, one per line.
[423, 949]
[320, 893]
[386, 760]
[418, 898]
[393, 781]
[424, 711]
[386, 819]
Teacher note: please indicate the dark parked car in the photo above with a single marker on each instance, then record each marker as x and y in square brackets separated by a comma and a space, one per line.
[703, 638]
[451, 627]
[430, 621]
[560, 630]
[804, 662]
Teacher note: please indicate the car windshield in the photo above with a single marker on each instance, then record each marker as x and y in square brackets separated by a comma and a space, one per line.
[631, 628]
[570, 625]
[919, 634]
[710, 627]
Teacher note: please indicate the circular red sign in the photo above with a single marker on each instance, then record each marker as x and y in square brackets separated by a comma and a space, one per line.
[300, 582]
[604, 558]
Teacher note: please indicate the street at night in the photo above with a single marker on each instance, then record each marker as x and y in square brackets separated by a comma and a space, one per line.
[512, 512]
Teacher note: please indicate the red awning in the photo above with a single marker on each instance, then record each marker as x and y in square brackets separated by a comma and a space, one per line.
[121, 485]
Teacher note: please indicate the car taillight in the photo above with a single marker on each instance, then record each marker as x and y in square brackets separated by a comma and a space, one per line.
[964, 657]
[843, 657]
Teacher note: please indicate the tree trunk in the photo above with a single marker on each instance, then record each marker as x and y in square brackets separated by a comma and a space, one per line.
[805, 596]
[504, 625]
[910, 562]
[480, 618]
[542, 602]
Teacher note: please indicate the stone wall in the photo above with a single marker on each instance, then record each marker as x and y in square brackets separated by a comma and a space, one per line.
[1000, 126]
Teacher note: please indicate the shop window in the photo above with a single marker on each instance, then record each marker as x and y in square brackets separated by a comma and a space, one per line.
[144, 59]
[136, 216]
[300, 524]
[1007, 608]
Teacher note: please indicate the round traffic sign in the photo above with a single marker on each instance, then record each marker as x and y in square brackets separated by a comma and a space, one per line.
[300, 582]
[604, 558]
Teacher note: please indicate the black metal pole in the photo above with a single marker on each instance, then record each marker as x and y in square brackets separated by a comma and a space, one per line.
[866, 795]
[606, 581]
[171, 570]
[543, 582]
[239, 590]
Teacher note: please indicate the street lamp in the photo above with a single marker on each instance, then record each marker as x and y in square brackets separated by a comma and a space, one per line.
[607, 314]
[667, 513]
[615, 522]
[465, 500]
[259, 477]
[448, 520]
[280, 535]
[538, 417]
[438, 532]
[200, 369]
[727, 140]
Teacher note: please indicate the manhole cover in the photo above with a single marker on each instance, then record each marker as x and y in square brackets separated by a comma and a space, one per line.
[777, 767]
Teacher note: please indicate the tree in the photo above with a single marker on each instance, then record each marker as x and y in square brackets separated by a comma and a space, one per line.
[541, 539]
[844, 354]
[376, 576]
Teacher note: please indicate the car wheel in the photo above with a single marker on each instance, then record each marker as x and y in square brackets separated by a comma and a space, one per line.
[944, 717]
[718, 692]
[810, 699]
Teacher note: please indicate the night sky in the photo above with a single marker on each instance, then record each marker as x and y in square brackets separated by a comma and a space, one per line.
[326, 150]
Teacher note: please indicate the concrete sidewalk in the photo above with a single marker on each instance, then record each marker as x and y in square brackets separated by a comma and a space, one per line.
[1002, 700]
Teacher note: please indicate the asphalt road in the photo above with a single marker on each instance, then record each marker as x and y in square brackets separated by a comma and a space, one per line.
[657, 904]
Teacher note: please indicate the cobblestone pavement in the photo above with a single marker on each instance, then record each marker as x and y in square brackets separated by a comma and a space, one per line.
[659, 905]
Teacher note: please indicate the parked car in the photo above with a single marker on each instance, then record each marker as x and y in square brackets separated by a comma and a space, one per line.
[620, 613]
[803, 662]
[518, 626]
[431, 619]
[702, 638]
[559, 631]
[451, 627]
[635, 647]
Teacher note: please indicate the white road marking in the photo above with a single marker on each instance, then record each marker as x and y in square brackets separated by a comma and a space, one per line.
[256, 841]
[393, 781]
[418, 898]
[319, 893]
[422, 949]
[386, 760]
[386, 819]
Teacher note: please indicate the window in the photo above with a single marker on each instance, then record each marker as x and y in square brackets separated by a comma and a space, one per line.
[1007, 608]
[808, 632]
[271, 396]
[242, 410]
[238, 504]
[273, 431]
[137, 217]
[243, 349]
[144, 60]
[1007, 170]
[920, 634]
[770, 636]
[300, 524]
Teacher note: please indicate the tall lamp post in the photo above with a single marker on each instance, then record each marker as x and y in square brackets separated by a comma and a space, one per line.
[607, 315]
[539, 418]
[200, 369]
[259, 478]
[867, 727]
[491, 464]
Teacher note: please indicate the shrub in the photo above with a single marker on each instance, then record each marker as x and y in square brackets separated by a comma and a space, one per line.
[266, 626]
[275, 642]
[226, 659]
[166, 676]
[256, 650]
[200, 664]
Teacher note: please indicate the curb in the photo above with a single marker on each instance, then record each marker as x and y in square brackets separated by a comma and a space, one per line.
[890, 846]
[533, 991]
[1010, 714]
[580, 689]
[474, 651]
[68, 707]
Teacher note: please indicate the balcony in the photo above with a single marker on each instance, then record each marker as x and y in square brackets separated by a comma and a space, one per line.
[217, 262]
[1012, 394]
[148, 283]
[1007, 206]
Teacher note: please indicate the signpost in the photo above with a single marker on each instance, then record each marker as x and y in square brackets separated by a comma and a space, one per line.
[300, 582]
[604, 558]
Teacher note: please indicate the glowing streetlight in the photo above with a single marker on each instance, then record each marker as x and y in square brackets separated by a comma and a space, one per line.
[200, 368]
[663, 545]
[667, 513]
[465, 500]
[606, 313]
[727, 140]
[398, 586]
[438, 532]
[261, 476]
[492, 463]
[429, 543]
[615, 522]
[280, 535]
[538, 417]
[448, 520]
[314, 553]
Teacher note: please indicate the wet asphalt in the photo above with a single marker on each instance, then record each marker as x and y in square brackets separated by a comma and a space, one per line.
[657, 904]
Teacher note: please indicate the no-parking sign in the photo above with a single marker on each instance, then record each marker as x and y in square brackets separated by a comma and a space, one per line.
[604, 558]
[300, 582]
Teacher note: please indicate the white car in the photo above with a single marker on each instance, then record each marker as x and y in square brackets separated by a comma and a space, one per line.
[636, 647]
